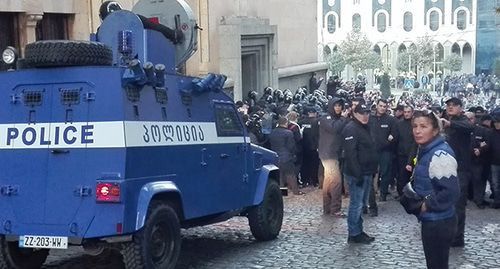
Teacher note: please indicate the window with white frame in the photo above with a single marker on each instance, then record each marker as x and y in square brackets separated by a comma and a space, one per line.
[331, 23]
[381, 22]
[356, 21]
[434, 20]
[461, 19]
[408, 21]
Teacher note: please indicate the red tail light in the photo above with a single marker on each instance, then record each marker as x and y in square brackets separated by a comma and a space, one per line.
[108, 192]
[154, 20]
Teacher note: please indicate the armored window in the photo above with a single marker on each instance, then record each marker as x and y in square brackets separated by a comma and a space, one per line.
[227, 120]
[408, 21]
[331, 24]
[434, 21]
[381, 22]
[356, 21]
[52, 26]
[461, 20]
[9, 33]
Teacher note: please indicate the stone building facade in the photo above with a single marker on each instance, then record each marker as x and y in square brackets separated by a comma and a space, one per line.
[254, 42]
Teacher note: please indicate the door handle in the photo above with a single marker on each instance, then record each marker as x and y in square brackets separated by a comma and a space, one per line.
[224, 156]
[203, 162]
[60, 151]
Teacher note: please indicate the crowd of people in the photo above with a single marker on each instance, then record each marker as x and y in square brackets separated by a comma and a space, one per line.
[350, 141]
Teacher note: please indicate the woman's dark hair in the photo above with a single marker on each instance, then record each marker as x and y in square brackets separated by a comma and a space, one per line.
[430, 115]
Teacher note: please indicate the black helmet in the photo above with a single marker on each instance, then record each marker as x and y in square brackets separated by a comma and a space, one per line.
[268, 90]
[107, 8]
[280, 97]
[252, 95]
[269, 99]
[313, 99]
[297, 98]
[277, 93]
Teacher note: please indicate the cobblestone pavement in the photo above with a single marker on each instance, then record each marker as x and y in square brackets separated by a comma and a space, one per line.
[310, 240]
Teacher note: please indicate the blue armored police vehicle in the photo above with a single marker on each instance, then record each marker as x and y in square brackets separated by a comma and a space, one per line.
[104, 145]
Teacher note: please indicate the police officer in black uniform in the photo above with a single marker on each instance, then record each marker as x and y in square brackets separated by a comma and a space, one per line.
[310, 137]
[458, 131]
[283, 143]
[480, 157]
[382, 128]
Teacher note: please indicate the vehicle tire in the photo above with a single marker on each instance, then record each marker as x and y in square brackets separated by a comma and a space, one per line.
[14, 257]
[51, 53]
[265, 219]
[158, 243]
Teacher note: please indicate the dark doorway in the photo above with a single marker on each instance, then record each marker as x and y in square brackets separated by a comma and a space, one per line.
[249, 73]
[52, 27]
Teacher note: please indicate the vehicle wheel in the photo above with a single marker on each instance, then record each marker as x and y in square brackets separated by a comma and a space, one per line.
[158, 243]
[14, 257]
[265, 219]
[52, 53]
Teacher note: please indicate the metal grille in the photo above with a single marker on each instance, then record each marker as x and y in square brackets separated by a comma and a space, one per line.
[32, 98]
[161, 95]
[133, 94]
[70, 97]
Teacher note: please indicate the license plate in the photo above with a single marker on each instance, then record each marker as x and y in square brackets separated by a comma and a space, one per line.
[37, 241]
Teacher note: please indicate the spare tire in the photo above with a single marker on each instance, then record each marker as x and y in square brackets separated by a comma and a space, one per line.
[53, 53]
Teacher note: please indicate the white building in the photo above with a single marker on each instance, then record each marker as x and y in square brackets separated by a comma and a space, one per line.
[395, 25]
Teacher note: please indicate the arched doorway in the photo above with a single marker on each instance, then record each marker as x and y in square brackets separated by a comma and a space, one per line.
[439, 54]
[401, 48]
[386, 56]
[467, 58]
[455, 49]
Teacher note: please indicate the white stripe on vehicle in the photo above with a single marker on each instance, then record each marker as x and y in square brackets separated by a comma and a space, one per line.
[112, 134]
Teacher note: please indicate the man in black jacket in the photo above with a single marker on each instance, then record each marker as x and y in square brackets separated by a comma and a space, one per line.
[458, 131]
[283, 143]
[480, 157]
[382, 130]
[332, 85]
[406, 148]
[314, 83]
[360, 165]
[494, 141]
[330, 127]
[310, 136]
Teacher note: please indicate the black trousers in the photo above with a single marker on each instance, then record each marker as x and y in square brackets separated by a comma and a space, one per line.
[437, 237]
[404, 175]
[309, 172]
[372, 201]
[478, 181]
[464, 179]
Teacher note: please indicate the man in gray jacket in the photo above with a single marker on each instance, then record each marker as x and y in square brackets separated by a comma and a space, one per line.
[330, 127]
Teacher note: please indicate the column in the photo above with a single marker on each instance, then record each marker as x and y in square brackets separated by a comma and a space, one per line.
[29, 33]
